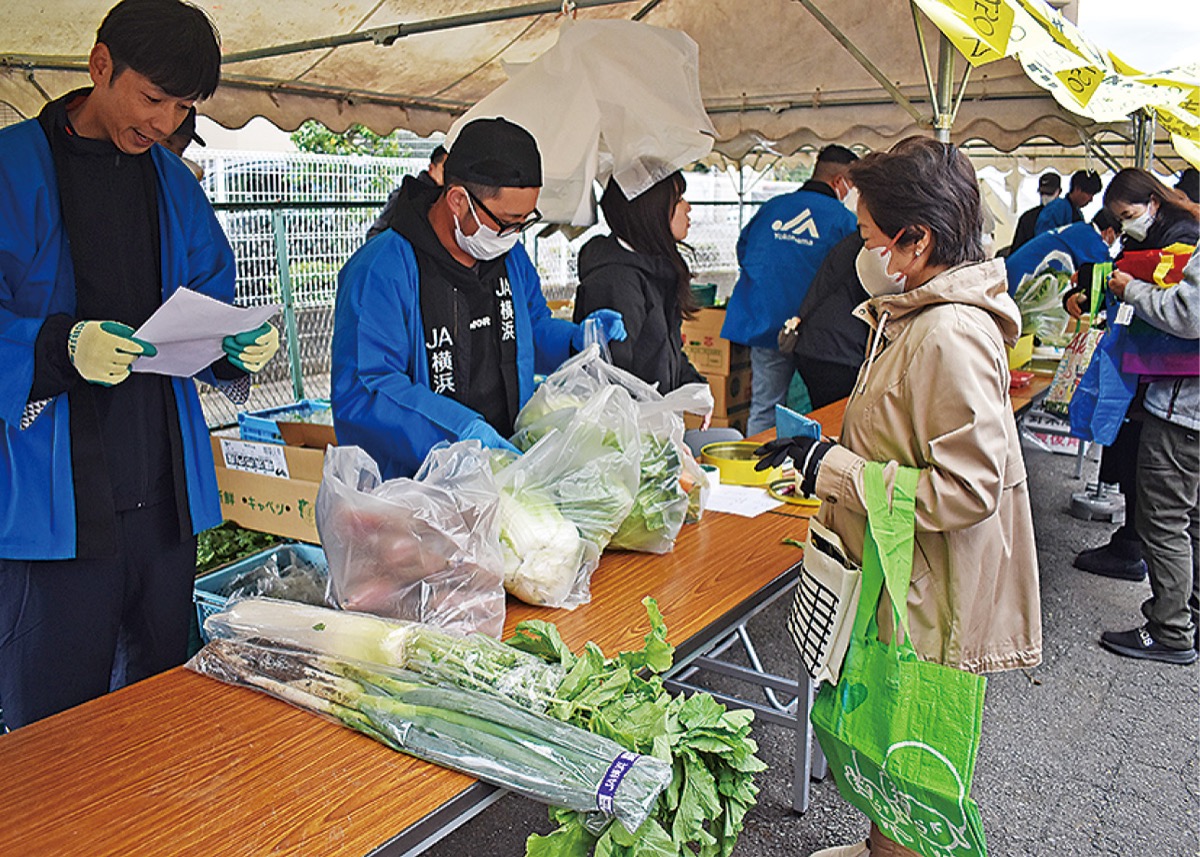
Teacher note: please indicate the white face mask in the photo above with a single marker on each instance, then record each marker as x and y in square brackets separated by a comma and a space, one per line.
[1137, 227]
[850, 200]
[486, 243]
[872, 268]
[1048, 198]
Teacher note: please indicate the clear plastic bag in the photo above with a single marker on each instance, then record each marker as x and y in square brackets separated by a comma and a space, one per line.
[1039, 298]
[424, 549]
[484, 736]
[661, 503]
[561, 501]
[473, 661]
[284, 575]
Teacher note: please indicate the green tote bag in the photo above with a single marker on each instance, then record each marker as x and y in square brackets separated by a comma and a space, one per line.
[901, 734]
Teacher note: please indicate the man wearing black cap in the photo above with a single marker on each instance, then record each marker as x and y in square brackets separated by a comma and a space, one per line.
[1049, 187]
[1085, 184]
[440, 322]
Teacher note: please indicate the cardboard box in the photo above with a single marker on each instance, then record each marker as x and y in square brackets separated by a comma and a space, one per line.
[730, 392]
[268, 487]
[312, 435]
[736, 420]
[709, 353]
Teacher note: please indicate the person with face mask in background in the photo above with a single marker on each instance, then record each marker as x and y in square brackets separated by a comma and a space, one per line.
[933, 395]
[1085, 184]
[1084, 243]
[1153, 217]
[639, 272]
[183, 137]
[779, 253]
[431, 175]
[440, 322]
[1049, 187]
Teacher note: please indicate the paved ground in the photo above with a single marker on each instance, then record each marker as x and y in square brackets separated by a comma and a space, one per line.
[1087, 755]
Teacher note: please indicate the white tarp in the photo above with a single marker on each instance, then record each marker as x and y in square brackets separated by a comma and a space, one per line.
[768, 70]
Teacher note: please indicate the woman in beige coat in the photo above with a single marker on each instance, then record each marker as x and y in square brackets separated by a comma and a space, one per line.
[933, 395]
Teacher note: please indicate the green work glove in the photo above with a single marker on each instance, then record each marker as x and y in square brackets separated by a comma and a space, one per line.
[102, 351]
[251, 350]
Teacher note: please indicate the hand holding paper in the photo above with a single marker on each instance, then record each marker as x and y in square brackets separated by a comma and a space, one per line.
[189, 330]
[252, 350]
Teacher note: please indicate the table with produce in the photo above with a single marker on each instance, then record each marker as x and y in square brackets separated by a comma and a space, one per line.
[494, 618]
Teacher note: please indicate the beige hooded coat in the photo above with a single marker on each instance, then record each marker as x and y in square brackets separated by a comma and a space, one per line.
[933, 394]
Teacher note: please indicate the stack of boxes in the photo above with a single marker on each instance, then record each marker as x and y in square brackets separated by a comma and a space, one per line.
[725, 365]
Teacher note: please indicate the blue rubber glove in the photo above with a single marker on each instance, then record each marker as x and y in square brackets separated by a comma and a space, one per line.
[611, 325]
[483, 432]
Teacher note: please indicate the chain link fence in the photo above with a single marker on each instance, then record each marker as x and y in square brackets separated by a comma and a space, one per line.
[306, 215]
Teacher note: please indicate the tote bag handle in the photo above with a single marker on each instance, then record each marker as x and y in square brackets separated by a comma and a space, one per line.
[887, 547]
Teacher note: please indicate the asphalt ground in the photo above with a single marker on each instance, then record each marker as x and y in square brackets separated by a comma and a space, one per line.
[1088, 754]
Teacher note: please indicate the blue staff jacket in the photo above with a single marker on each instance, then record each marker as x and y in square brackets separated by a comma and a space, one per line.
[779, 253]
[382, 399]
[37, 280]
[1080, 241]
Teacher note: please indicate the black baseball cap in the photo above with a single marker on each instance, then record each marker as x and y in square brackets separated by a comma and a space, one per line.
[187, 128]
[1049, 183]
[496, 153]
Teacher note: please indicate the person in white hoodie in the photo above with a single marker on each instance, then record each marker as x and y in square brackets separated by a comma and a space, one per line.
[933, 395]
[1168, 481]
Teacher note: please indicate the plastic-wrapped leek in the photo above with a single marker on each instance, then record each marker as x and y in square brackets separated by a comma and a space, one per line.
[481, 735]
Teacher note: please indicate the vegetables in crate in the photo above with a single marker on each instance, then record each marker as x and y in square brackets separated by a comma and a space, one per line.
[484, 736]
[474, 662]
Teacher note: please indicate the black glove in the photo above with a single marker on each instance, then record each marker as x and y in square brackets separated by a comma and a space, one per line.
[805, 452]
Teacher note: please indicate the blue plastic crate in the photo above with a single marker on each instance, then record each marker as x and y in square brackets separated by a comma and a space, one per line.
[263, 426]
[206, 593]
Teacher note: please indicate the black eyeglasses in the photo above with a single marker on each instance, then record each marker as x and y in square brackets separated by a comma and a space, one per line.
[505, 227]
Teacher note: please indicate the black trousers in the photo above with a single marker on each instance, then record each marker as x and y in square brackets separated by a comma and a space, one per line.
[72, 630]
[827, 382]
[1118, 464]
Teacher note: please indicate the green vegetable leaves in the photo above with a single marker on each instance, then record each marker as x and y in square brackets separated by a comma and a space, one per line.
[622, 698]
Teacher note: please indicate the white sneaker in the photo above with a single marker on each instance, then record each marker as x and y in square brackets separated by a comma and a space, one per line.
[858, 849]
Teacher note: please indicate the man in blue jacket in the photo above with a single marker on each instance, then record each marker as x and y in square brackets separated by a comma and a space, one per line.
[105, 476]
[1066, 210]
[1083, 242]
[440, 322]
[779, 253]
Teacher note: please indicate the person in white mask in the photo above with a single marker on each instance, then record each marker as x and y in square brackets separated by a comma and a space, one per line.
[933, 395]
[440, 322]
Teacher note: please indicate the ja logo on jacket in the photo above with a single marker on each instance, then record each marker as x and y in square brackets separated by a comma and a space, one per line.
[802, 228]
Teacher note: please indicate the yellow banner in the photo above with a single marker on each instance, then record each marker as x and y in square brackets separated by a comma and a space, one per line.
[1082, 82]
[979, 29]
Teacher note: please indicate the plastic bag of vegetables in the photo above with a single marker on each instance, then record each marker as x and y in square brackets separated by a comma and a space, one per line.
[561, 501]
[424, 549]
[485, 736]
[471, 661]
[1039, 297]
[661, 502]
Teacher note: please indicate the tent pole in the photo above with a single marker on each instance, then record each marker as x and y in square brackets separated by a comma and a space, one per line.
[870, 67]
[386, 36]
[944, 116]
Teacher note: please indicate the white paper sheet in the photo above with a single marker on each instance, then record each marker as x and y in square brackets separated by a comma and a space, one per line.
[187, 331]
[744, 500]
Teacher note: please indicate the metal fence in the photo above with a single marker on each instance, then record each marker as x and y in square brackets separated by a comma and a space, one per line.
[304, 215]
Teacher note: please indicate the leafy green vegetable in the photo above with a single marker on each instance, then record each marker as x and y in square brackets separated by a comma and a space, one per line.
[622, 698]
[223, 544]
[542, 550]
[660, 505]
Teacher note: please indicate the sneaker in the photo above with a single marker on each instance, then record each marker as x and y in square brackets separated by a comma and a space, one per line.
[1139, 644]
[1106, 562]
[858, 849]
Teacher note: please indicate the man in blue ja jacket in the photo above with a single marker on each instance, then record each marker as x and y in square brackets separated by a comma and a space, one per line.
[440, 322]
[105, 476]
[779, 253]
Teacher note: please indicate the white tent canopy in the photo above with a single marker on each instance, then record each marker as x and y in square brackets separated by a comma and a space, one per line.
[772, 72]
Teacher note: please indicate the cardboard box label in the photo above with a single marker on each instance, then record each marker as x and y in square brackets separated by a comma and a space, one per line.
[262, 458]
